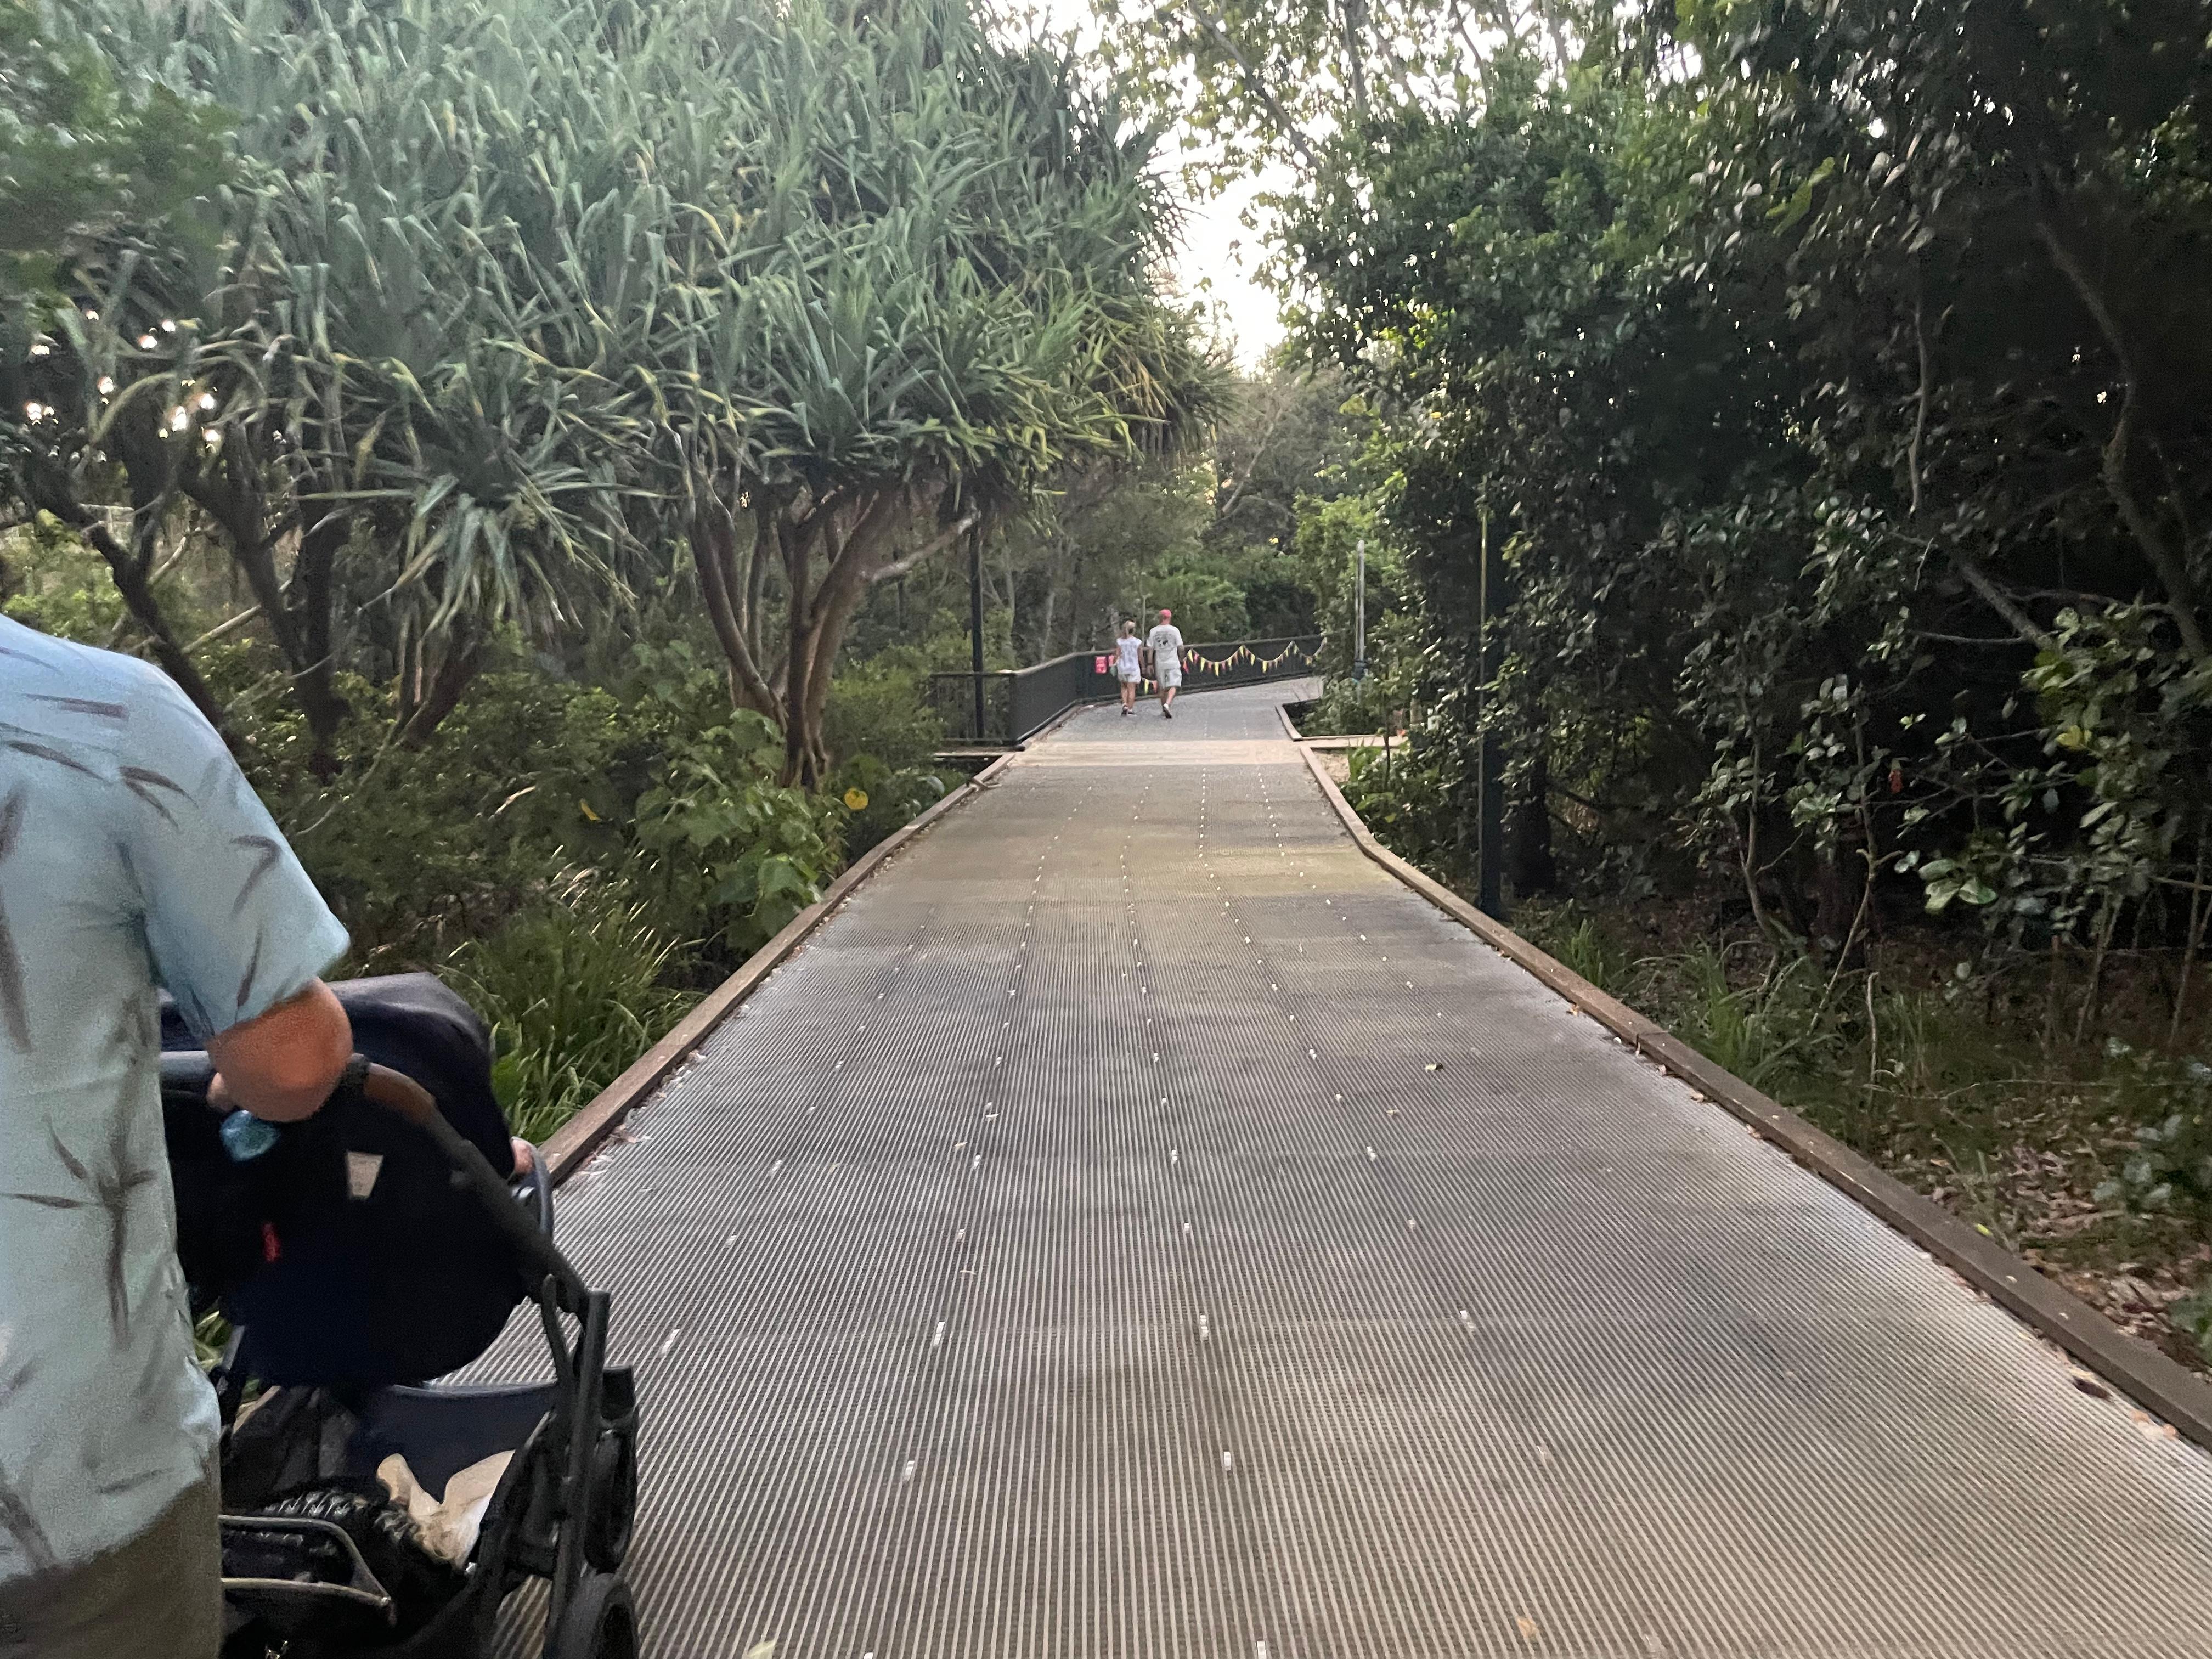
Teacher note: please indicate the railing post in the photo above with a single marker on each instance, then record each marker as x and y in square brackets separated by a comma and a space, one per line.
[1359, 617]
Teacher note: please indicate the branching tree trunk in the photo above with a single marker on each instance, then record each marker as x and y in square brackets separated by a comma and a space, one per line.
[49, 485]
[2169, 562]
[132, 581]
[852, 541]
[432, 681]
[229, 488]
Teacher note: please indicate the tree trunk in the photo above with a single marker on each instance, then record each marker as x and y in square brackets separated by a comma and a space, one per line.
[854, 535]
[439, 693]
[314, 678]
[798, 762]
[713, 557]
[132, 582]
[227, 488]
[1528, 859]
[1835, 907]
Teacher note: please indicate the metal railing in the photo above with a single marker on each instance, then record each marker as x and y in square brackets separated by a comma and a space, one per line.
[1019, 702]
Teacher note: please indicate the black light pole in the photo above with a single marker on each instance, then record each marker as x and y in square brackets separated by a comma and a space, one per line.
[1359, 617]
[1490, 790]
[975, 620]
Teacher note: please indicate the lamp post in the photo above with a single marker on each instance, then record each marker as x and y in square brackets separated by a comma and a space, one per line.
[1490, 784]
[976, 621]
[1359, 617]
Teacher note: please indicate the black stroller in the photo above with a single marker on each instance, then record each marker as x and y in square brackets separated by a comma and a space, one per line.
[382, 1242]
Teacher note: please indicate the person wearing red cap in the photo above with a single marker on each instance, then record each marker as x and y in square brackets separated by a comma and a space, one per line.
[1165, 647]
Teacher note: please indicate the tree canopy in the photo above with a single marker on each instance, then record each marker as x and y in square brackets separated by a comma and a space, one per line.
[507, 313]
[1833, 376]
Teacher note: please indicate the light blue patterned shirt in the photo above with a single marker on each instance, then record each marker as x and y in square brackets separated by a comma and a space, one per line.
[132, 852]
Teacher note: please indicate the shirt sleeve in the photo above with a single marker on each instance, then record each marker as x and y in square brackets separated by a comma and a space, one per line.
[232, 924]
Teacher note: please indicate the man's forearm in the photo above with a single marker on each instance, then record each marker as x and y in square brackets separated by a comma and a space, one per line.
[283, 1065]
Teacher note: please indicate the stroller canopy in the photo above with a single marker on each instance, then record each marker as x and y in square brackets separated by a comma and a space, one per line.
[347, 1253]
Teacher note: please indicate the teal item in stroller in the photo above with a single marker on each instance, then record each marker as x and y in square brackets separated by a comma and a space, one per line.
[359, 1255]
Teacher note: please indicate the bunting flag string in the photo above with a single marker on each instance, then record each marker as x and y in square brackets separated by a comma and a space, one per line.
[1244, 655]
[1304, 655]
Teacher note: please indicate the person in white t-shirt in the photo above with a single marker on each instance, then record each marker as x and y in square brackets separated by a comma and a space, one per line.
[1128, 664]
[1165, 645]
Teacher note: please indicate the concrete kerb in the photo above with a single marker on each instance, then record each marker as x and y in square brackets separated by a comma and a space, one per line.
[2153, 1381]
[573, 1143]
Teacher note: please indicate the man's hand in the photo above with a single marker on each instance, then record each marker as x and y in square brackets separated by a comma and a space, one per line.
[283, 1063]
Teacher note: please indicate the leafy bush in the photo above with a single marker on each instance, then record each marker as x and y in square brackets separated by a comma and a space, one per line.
[880, 707]
[2171, 1168]
[1207, 604]
[1412, 797]
[651, 781]
[573, 991]
[880, 799]
[726, 844]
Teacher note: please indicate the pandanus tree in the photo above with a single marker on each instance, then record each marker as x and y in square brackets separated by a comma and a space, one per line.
[505, 303]
[906, 278]
[326, 357]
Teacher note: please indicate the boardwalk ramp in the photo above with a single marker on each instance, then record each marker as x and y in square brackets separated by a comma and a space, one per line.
[1135, 1224]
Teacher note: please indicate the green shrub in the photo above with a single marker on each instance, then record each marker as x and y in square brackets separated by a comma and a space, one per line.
[880, 708]
[1411, 797]
[727, 847]
[1591, 951]
[879, 801]
[1207, 606]
[2171, 1168]
[574, 992]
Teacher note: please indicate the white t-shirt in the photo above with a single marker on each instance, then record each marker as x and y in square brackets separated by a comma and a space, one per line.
[1165, 642]
[1127, 660]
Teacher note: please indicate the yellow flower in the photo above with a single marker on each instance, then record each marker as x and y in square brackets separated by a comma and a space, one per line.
[857, 799]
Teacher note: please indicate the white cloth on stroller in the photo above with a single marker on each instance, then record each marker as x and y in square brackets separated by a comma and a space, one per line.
[447, 1526]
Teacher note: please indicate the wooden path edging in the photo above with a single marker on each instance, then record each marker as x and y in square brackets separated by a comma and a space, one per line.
[573, 1143]
[2159, 1385]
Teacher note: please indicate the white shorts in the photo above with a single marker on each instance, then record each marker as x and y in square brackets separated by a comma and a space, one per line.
[1171, 674]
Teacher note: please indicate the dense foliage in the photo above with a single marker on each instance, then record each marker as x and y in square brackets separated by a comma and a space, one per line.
[1833, 380]
[512, 314]
[497, 414]
[1823, 389]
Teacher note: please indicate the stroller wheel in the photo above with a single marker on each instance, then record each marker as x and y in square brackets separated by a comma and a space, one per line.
[613, 1514]
[600, 1621]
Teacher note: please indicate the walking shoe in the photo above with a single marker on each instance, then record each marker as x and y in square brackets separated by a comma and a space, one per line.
[1166, 714]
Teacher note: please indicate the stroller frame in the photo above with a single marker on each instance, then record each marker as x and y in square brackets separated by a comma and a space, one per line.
[565, 1505]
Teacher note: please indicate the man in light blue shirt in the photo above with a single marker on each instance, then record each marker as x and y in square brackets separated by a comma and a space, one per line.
[132, 853]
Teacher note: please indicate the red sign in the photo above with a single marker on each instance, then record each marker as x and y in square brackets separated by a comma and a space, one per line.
[1098, 664]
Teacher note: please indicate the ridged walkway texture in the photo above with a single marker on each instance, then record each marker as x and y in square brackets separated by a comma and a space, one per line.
[1136, 1226]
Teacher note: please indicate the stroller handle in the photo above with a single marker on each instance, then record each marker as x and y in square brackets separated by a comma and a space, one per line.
[398, 1093]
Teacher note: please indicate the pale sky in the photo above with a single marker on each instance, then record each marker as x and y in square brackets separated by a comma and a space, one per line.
[1219, 254]
[1218, 258]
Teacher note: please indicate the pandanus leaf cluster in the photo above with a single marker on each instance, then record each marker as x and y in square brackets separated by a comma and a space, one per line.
[508, 312]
